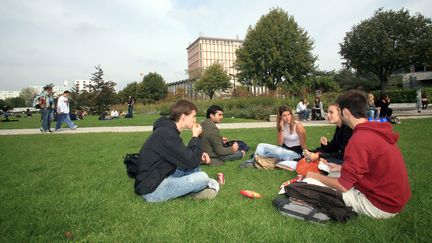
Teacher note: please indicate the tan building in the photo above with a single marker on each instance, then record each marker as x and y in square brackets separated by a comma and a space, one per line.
[205, 51]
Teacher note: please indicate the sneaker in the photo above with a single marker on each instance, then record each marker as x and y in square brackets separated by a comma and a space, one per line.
[247, 164]
[207, 193]
[42, 131]
[75, 127]
[58, 130]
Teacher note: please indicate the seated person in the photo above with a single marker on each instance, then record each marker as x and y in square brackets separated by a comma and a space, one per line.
[331, 151]
[291, 138]
[29, 114]
[103, 116]
[212, 142]
[114, 114]
[374, 180]
[372, 111]
[383, 103]
[302, 109]
[168, 169]
[318, 110]
[6, 114]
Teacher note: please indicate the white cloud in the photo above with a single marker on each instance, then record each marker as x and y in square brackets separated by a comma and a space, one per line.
[52, 41]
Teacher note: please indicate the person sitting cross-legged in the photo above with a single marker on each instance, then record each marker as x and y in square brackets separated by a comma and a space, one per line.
[374, 180]
[212, 142]
[168, 169]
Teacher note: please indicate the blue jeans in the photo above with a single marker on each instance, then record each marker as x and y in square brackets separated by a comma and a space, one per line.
[64, 118]
[46, 118]
[273, 151]
[304, 114]
[180, 183]
[130, 111]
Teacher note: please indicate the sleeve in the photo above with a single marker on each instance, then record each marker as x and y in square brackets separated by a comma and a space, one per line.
[355, 164]
[179, 154]
[215, 140]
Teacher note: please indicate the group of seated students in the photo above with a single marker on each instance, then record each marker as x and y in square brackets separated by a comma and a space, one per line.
[317, 110]
[377, 109]
[372, 181]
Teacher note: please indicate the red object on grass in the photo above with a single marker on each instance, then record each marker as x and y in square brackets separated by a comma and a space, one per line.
[250, 194]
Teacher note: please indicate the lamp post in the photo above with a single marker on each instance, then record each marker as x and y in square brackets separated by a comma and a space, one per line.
[234, 90]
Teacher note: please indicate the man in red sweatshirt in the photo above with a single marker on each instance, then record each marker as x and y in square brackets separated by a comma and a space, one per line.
[374, 179]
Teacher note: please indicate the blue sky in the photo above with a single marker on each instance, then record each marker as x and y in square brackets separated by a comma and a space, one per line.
[44, 41]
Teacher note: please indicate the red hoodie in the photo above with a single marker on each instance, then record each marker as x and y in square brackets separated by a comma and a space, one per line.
[373, 164]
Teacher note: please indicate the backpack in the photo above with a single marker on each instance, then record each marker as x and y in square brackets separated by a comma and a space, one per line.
[298, 209]
[242, 145]
[318, 199]
[131, 163]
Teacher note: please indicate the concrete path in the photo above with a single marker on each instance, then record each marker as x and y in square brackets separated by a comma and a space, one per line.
[149, 128]
[404, 115]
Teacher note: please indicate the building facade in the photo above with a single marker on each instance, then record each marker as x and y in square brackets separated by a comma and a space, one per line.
[83, 85]
[205, 51]
[5, 94]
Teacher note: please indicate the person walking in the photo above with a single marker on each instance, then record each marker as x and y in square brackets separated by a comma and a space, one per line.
[45, 102]
[63, 111]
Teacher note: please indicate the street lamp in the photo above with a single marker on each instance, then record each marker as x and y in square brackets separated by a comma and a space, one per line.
[234, 90]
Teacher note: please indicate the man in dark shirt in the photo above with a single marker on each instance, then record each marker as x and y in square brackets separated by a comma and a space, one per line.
[213, 143]
[168, 169]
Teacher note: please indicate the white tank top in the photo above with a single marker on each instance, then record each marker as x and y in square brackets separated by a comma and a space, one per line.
[290, 140]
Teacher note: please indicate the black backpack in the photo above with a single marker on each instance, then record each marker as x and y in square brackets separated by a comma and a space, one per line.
[242, 145]
[131, 163]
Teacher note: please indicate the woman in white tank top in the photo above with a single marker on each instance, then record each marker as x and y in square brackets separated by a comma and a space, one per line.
[291, 138]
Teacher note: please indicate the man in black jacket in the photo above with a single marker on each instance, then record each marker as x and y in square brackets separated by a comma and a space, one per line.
[167, 168]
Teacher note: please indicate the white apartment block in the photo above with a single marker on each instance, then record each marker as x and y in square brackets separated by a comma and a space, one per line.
[205, 51]
[83, 85]
[5, 94]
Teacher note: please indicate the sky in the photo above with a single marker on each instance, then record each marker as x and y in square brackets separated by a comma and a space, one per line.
[49, 41]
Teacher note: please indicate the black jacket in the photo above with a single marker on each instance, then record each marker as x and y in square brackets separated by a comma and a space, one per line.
[162, 153]
[336, 147]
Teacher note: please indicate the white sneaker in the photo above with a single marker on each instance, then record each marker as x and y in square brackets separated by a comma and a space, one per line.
[75, 127]
[58, 130]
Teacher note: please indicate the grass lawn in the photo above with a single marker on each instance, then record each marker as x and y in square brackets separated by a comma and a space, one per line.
[92, 121]
[55, 183]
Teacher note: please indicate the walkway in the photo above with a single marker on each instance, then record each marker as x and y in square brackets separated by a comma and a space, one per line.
[409, 114]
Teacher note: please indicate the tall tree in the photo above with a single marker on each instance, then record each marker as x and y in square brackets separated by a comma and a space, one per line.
[102, 92]
[131, 89]
[388, 41]
[275, 51]
[152, 88]
[28, 94]
[213, 79]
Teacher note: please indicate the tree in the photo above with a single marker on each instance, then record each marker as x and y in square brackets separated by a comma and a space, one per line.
[102, 92]
[2, 103]
[15, 102]
[152, 88]
[28, 94]
[276, 51]
[388, 41]
[213, 79]
[130, 89]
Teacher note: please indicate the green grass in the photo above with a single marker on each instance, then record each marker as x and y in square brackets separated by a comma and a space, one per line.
[55, 183]
[92, 121]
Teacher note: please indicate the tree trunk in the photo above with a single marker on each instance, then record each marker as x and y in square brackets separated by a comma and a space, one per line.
[383, 82]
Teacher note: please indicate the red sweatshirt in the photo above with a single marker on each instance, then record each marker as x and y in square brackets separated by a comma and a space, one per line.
[373, 164]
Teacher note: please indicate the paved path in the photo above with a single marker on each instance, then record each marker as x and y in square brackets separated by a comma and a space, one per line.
[405, 115]
[149, 128]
